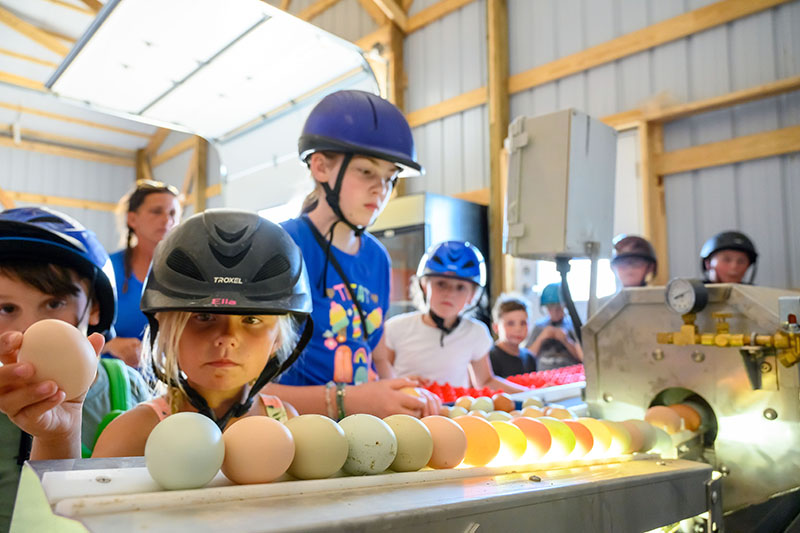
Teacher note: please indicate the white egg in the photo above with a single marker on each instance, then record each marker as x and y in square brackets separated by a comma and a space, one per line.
[372, 444]
[320, 446]
[61, 353]
[483, 403]
[184, 451]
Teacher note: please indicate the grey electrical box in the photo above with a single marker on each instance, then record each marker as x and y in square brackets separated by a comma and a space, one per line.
[560, 186]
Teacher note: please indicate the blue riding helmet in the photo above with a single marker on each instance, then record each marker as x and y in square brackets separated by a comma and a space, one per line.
[359, 122]
[456, 259]
[551, 294]
[42, 234]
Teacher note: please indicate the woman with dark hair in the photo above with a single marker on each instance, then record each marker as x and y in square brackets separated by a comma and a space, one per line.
[151, 210]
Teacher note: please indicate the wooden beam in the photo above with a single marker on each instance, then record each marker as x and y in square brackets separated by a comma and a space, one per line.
[188, 177]
[32, 32]
[58, 35]
[434, 13]
[745, 148]
[285, 4]
[497, 37]
[379, 36]
[75, 153]
[407, 5]
[625, 120]
[21, 81]
[396, 74]
[25, 57]
[156, 141]
[393, 12]
[373, 11]
[5, 200]
[214, 190]
[73, 142]
[200, 174]
[449, 107]
[63, 201]
[654, 35]
[73, 7]
[651, 145]
[94, 5]
[726, 100]
[72, 120]
[169, 153]
[143, 169]
[478, 196]
[315, 9]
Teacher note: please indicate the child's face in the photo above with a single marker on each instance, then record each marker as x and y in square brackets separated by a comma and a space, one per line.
[513, 327]
[447, 297]
[22, 305]
[556, 312]
[728, 266]
[157, 215]
[224, 352]
[632, 271]
[366, 187]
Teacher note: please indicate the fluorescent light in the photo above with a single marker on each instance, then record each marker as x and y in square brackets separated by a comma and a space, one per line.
[205, 66]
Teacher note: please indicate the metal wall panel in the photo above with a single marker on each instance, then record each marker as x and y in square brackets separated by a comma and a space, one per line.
[38, 173]
[346, 19]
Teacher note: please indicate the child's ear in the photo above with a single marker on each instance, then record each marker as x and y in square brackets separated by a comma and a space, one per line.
[322, 167]
[496, 328]
[94, 314]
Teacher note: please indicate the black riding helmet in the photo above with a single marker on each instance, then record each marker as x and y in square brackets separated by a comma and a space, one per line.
[226, 261]
[729, 240]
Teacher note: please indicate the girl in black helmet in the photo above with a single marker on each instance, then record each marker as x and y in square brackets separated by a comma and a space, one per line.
[224, 296]
[356, 145]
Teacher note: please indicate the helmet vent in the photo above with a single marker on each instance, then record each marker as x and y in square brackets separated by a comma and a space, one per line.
[53, 219]
[180, 262]
[469, 264]
[274, 267]
[229, 261]
[229, 237]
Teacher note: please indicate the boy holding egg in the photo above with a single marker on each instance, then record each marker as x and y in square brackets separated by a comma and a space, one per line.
[438, 343]
[51, 267]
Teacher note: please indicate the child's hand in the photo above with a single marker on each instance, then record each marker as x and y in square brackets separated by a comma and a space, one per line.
[36, 407]
[129, 349]
[383, 398]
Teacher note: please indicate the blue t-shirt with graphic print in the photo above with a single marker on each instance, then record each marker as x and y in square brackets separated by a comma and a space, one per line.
[338, 350]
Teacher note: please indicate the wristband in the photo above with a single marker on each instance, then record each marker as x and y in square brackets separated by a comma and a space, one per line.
[340, 392]
[328, 404]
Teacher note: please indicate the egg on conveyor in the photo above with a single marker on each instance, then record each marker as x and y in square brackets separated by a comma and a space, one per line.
[184, 451]
[258, 449]
[664, 418]
[320, 446]
[61, 353]
[449, 442]
[372, 444]
[414, 443]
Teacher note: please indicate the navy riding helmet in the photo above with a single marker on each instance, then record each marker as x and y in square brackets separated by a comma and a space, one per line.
[456, 259]
[42, 234]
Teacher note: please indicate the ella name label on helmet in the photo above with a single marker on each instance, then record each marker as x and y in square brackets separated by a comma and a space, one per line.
[220, 279]
[222, 301]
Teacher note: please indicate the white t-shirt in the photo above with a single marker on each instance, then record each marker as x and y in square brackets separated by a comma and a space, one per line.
[418, 350]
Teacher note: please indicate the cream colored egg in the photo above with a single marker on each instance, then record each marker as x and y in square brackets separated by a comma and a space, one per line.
[456, 410]
[372, 444]
[499, 415]
[320, 446]
[483, 403]
[532, 402]
[258, 449]
[60, 352]
[414, 443]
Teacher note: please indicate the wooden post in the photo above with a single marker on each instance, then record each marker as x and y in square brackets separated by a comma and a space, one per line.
[140, 158]
[497, 34]
[200, 174]
[651, 145]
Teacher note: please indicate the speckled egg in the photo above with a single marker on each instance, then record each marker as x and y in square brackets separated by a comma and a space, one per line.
[372, 444]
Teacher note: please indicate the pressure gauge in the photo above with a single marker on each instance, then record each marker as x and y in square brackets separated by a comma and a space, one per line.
[686, 295]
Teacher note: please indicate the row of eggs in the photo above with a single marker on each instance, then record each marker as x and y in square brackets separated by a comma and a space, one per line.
[186, 450]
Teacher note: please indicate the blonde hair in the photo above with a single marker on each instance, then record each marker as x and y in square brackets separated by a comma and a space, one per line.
[163, 357]
[311, 201]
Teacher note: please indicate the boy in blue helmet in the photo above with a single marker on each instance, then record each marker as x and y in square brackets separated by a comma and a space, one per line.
[355, 145]
[51, 267]
[437, 343]
[553, 339]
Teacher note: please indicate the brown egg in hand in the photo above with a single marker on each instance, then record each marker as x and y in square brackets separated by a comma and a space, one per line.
[61, 353]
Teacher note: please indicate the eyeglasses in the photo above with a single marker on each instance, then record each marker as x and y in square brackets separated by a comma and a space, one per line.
[152, 185]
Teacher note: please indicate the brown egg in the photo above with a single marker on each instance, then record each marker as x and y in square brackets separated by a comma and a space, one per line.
[503, 402]
[465, 402]
[60, 352]
[691, 418]
[449, 442]
[258, 449]
[483, 442]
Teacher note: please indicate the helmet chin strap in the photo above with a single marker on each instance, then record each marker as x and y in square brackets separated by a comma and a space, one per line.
[332, 197]
[439, 321]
